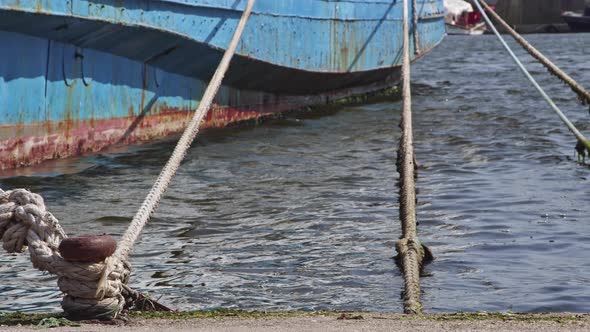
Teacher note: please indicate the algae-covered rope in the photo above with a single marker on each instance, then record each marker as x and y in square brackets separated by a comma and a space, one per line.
[153, 198]
[548, 99]
[582, 93]
[410, 252]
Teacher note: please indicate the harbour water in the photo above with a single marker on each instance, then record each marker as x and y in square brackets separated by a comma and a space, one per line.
[302, 213]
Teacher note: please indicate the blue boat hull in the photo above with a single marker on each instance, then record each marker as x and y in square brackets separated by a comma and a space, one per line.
[78, 76]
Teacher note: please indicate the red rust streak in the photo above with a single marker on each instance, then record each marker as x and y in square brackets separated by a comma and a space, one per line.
[75, 137]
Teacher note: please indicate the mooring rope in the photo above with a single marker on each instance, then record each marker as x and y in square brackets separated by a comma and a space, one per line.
[97, 290]
[582, 93]
[411, 254]
[415, 27]
[162, 182]
[548, 99]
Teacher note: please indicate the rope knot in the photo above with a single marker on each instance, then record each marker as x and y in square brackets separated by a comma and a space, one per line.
[93, 289]
[20, 210]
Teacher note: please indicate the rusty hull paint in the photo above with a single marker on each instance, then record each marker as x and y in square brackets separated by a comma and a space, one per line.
[29, 144]
[80, 75]
[76, 137]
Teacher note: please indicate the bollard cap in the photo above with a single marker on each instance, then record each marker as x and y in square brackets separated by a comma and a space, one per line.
[87, 248]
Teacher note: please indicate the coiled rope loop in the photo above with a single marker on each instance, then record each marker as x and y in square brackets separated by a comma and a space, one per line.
[25, 222]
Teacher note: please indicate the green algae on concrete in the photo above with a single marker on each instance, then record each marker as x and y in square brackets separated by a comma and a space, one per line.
[16, 318]
[56, 322]
[226, 313]
[509, 316]
[24, 319]
[463, 316]
[19, 318]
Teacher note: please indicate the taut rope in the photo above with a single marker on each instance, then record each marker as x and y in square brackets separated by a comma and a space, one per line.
[154, 196]
[582, 93]
[411, 254]
[415, 27]
[548, 99]
[98, 290]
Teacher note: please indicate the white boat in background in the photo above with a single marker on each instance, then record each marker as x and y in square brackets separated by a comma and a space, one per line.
[476, 30]
[578, 22]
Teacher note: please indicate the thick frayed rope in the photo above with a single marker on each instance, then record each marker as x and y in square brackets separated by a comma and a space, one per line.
[25, 222]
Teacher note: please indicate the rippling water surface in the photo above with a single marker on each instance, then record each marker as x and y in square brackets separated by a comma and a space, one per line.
[302, 213]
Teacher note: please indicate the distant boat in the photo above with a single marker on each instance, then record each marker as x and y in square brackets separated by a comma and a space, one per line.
[578, 22]
[461, 19]
[475, 30]
[80, 75]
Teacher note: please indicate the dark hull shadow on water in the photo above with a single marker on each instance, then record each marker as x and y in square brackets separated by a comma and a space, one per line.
[302, 212]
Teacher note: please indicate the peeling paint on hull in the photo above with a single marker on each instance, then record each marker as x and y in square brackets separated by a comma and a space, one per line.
[88, 136]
